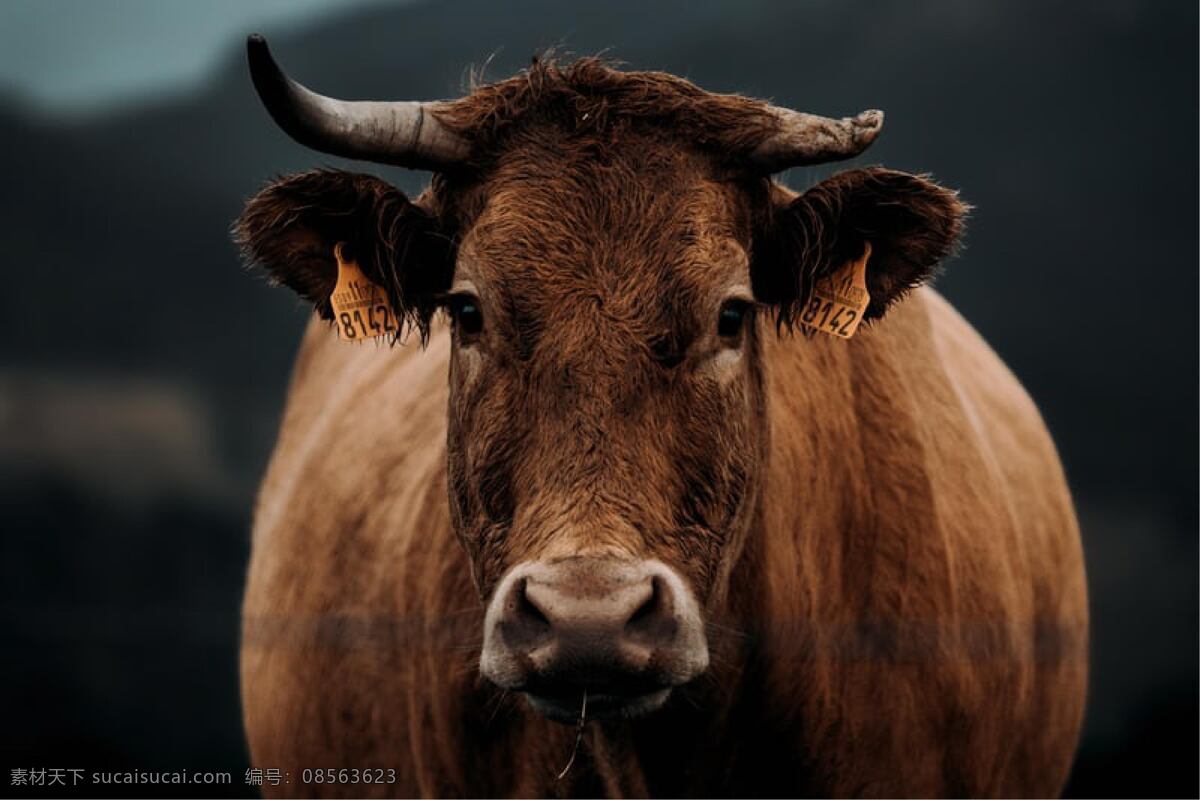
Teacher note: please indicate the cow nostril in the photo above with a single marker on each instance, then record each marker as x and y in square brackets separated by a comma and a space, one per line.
[526, 610]
[646, 609]
[655, 616]
[523, 624]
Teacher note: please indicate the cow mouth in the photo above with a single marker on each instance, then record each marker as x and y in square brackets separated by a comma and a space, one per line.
[622, 633]
[566, 706]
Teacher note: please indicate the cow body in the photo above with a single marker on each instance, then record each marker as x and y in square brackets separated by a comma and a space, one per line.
[907, 614]
[616, 493]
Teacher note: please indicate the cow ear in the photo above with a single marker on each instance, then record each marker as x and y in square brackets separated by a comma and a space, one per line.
[910, 223]
[291, 227]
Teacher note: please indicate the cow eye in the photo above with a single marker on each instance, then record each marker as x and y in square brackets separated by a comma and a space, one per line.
[464, 310]
[732, 319]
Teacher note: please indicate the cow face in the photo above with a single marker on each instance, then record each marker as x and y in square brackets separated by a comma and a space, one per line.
[607, 288]
[605, 430]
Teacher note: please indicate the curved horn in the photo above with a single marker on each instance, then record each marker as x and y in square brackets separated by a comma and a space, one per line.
[809, 139]
[406, 134]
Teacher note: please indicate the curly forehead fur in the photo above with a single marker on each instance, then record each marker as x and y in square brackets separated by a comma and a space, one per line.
[590, 96]
[589, 181]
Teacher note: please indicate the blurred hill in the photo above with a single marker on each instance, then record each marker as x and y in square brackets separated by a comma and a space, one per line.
[1071, 129]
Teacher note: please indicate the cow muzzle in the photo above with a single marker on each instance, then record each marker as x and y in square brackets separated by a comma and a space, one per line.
[625, 632]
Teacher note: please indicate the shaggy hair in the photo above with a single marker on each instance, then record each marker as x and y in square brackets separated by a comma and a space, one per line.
[590, 97]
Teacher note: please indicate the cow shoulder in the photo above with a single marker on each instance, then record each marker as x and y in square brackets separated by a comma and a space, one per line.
[351, 524]
[340, 395]
[915, 511]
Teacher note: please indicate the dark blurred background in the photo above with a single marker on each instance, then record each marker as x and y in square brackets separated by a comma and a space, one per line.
[142, 371]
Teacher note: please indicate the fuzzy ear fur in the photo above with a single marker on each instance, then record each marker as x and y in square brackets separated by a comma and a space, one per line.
[911, 223]
[291, 226]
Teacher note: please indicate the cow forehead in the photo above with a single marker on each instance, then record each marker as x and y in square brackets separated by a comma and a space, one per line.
[644, 217]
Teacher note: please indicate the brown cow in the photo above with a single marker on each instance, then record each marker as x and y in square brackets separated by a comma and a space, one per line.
[748, 562]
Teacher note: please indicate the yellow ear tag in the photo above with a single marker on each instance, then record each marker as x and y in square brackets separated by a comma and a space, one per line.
[839, 301]
[360, 307]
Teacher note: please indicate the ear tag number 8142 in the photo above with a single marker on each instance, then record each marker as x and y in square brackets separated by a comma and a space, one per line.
[839, 301]
[360, 306]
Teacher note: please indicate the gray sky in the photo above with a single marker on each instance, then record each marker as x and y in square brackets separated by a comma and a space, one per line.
[77, 55]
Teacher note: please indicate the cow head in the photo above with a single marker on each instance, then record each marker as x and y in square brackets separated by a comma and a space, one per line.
[611, 251]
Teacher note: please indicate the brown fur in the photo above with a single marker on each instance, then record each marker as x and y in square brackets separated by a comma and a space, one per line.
[878, 530]
[590, 99]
